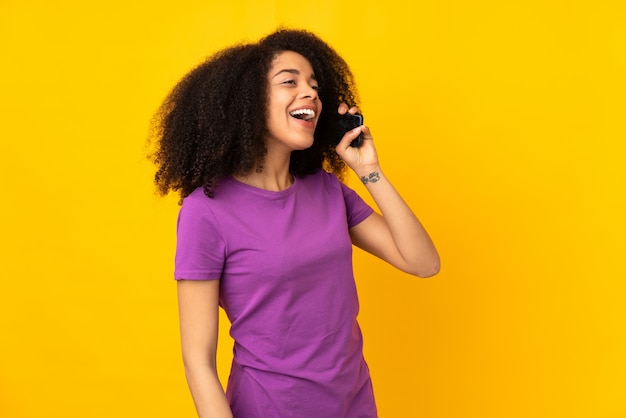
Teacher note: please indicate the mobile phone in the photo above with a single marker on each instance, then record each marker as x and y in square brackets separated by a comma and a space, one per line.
[348, 122]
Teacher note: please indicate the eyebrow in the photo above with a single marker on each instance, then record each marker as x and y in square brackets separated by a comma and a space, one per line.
[291, 71]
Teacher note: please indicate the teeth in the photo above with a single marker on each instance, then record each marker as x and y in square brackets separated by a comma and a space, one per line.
[303, 113]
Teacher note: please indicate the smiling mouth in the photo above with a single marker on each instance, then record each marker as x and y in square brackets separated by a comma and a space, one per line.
[303, 114]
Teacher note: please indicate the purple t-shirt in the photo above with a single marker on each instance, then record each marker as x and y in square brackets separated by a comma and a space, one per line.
[285, 263]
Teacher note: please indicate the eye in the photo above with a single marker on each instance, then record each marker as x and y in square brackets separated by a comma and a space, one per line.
[292, 82]
[315, 87]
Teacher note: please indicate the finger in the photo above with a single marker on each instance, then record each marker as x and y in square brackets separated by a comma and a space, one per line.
[354, 109]
[348, 137]
[343, 108]
[367, 134]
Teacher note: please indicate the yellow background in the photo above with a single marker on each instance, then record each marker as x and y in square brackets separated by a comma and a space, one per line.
[501, 122]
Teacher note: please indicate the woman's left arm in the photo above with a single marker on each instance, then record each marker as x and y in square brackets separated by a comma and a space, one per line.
[397, 236]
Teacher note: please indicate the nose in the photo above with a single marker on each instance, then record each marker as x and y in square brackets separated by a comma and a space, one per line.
[309, 92]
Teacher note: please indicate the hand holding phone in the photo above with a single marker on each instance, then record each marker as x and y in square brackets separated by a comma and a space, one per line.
[348, 122]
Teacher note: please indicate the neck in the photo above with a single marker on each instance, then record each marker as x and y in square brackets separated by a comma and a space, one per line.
[270, 175]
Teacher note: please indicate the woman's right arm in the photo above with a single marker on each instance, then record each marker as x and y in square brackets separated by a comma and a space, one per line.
[198, 307]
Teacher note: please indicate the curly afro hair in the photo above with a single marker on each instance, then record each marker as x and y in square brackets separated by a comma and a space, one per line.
[213, 123]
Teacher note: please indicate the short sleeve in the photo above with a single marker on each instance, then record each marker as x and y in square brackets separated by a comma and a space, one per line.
[357, 210]
[200, 247]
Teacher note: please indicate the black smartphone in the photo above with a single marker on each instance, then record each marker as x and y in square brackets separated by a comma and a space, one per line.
[348, 122]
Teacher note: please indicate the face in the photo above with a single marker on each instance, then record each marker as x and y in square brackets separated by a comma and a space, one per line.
[293, 103]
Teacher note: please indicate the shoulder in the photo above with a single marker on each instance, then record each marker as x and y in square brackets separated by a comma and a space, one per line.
[222, 195]
[322, 178]
[195, 202]
[199, 212]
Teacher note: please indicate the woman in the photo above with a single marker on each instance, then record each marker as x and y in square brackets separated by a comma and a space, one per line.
[266, 228]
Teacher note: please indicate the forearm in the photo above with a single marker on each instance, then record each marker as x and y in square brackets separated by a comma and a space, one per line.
[199, 318]
[207, 392]
[397, 236]
[409, 236]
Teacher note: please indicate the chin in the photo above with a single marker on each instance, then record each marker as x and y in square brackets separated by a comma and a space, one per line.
[308, 145]
[304, 143]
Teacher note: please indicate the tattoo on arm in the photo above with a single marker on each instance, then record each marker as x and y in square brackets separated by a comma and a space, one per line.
[372, 178]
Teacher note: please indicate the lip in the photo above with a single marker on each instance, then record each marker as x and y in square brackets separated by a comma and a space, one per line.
[313, 108]
[311, 123]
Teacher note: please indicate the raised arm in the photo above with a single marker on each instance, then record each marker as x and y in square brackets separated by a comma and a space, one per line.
[397, 236]
[198, 302]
